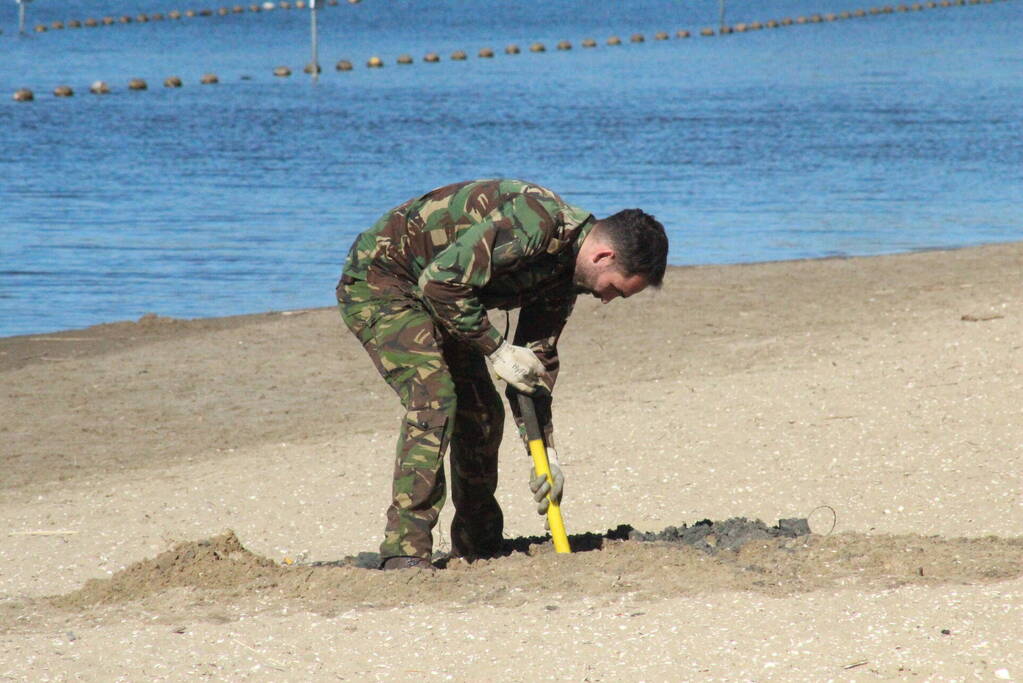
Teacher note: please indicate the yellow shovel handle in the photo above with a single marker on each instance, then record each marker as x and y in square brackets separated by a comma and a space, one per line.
[554, 520]
[538, 451]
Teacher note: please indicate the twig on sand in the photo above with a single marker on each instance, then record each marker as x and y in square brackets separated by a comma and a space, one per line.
[834, 517]
[980, 318]
[43, 532]
[277, 665]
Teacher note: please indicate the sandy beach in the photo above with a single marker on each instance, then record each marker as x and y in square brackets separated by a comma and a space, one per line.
[880, 398]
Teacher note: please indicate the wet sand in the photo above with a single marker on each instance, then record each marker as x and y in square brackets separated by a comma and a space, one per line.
[887, 389]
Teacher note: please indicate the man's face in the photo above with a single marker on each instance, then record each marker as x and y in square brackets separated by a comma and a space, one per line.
[606, 282]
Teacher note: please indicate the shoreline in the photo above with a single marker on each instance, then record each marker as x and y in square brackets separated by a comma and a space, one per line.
[243, 318]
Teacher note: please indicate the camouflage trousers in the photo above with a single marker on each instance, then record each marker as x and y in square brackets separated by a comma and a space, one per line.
[448, 397]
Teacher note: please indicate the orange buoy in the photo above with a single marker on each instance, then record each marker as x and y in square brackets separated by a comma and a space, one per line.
[74, 23]
[57, 25]
[404, 59]
[589, 42]
[660, 35]
[40, 28]
[23, 95]
[300, 4]
[637, 38]
[375, 62]
[137, 84]
[512, 50]
[142, 18]
[310, 68]
[174, 14]
[537, 47]
[157, 16]
[756, 26]
[738, 28]
[486, 53]
[564, 45]
[707, 32]
[614, 40]
[172, 82]
[725, 30]
[431, 57]
[282, 71]
[209, 79]
[682, 34]
[343, 65]
[91, 23]
[458, 56]
[63, 91]
[99, 88]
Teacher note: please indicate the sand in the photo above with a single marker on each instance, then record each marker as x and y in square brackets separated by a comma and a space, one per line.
[189, 499]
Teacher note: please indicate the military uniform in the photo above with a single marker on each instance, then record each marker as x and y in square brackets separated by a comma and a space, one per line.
[414, 290]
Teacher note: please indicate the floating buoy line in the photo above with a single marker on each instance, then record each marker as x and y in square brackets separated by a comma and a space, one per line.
[176, 15]
[376, 62]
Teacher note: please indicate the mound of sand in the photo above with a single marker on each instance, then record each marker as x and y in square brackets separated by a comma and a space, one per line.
[747, 556]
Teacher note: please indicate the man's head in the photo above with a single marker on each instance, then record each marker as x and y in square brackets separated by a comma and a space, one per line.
[621, 256]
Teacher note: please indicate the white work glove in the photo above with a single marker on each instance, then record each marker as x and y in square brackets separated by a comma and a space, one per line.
[518, 366]
[541, 487]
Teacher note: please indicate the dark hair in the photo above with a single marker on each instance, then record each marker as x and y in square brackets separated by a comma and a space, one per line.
[640, 243]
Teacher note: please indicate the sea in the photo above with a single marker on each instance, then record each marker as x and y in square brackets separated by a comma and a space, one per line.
[897, 131]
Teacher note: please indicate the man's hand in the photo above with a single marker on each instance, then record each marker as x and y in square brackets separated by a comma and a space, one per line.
[540, 487]
[518, 366]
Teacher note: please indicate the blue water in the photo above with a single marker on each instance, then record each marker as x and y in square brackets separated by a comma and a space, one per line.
[890, 133]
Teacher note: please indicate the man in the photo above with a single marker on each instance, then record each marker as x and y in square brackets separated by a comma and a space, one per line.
[415, 289]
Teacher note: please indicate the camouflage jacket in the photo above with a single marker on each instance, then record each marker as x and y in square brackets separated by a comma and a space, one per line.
[470, 246]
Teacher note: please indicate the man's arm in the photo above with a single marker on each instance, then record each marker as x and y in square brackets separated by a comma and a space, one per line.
[517, 230]
[539, 328]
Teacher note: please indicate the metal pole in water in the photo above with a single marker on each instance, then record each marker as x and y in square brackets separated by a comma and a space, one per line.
[721, 13]
[21, 16]
[316, 59]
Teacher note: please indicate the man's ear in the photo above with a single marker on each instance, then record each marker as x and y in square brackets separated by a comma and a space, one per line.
[603, 256]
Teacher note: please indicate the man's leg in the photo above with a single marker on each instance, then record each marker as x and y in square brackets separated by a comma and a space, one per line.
[403, 342]
[478, 525]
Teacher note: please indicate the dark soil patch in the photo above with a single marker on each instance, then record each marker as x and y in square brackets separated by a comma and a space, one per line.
[731, 534]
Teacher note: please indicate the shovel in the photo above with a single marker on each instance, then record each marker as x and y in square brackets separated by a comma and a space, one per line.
[538, 450]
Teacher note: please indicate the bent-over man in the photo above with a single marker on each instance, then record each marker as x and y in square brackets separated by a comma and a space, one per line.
[415, 290]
